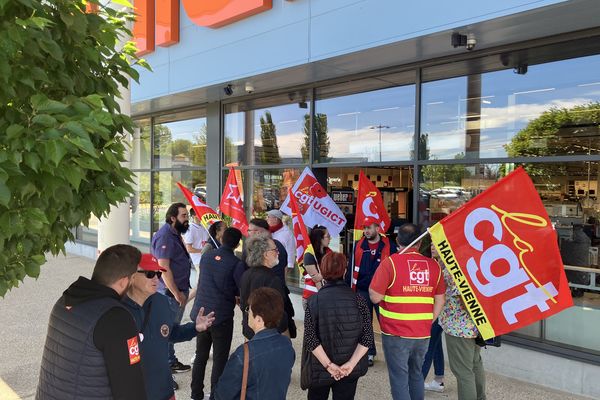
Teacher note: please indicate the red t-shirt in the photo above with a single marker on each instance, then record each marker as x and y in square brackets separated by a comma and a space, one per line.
[415, 276]
[373, 247]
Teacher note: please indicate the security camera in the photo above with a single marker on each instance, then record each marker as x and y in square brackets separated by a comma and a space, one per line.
[249, 88]
[471, 41]
[228, 90]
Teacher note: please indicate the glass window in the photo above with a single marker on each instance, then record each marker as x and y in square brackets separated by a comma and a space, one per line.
[139, 220]
[552, 109]
[166, 191]
[268, 132]
[181, 143]
[569, 193]
[366, 127]
[269, 188]
[140, 145]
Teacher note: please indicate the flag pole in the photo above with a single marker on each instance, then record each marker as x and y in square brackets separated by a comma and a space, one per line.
[415, 241]
[210, 236]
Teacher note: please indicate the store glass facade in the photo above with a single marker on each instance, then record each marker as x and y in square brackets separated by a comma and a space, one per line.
[429, 138]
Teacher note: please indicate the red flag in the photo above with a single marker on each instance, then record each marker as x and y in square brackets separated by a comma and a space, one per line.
[204, 213]
[232, 203]
[504, 258]
[303, 245]
[369, 204]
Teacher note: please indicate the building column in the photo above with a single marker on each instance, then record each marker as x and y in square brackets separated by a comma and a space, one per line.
[213, 153]
[114, 228]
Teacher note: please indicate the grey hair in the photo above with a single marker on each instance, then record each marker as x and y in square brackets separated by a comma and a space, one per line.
[256, 248]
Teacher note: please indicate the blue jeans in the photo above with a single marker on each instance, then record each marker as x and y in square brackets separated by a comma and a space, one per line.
[177, 316]
[365, 295]
[435, 352]
[404, 358]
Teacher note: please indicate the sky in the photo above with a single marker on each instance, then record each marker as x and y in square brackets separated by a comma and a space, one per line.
[508, 102]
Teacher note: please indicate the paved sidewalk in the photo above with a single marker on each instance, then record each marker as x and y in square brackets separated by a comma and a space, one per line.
[24, 316]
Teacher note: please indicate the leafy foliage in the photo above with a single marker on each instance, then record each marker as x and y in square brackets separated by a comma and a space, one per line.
[268, 136]
[63, 136]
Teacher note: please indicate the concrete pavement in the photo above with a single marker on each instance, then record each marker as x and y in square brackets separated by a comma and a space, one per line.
[24, 316]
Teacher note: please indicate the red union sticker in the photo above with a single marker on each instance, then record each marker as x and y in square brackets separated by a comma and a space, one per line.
[134, 350]
[418, 272]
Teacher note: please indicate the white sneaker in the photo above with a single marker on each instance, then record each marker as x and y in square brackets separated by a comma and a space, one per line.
[207, 396]
[434, 386]
[193, 359]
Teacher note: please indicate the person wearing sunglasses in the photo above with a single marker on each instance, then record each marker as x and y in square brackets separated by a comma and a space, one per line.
[154, 320]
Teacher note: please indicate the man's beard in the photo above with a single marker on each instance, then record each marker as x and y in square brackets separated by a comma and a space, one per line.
[182, 227]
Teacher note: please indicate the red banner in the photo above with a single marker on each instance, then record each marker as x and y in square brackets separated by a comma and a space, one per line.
[369, 204]
[205, 214]
[503, 255]
[303, 245]
[232, 203]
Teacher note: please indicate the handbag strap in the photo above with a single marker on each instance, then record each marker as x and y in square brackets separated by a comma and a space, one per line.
[245, 371]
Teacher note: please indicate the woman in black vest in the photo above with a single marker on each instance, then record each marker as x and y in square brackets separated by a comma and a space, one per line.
[337, 335]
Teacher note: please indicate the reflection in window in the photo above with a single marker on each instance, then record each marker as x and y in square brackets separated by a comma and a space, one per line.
[180, 144]
[139, 220]
[140, 145]
[541, 113]
[366, 127]
[569, 194]
[167, 192]
[267, 136]
[268, 188]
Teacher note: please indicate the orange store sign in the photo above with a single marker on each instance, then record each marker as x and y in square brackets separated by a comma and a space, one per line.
[158, 20]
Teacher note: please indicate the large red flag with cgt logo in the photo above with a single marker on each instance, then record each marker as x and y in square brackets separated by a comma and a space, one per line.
[204, 213]
[503, 255]
[369, 204]
[232, 203]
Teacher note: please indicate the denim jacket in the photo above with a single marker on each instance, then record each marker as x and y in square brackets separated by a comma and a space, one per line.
[270, 368]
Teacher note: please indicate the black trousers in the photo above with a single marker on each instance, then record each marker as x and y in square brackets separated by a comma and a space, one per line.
[344, 389]
[219, 337]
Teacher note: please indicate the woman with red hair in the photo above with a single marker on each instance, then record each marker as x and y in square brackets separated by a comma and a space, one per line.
[337, 335]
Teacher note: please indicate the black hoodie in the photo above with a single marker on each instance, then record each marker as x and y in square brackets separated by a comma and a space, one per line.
[111, 333]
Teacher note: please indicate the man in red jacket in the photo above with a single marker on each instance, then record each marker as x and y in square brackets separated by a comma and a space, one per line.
[409, 289]
[369, 251]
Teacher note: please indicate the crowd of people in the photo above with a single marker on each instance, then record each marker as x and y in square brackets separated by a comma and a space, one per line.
[112, 336]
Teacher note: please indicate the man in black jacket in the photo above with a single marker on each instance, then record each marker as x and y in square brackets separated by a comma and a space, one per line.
[216, 293]
[92, 346]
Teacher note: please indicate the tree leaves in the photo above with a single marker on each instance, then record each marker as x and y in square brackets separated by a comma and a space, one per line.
[61, 131]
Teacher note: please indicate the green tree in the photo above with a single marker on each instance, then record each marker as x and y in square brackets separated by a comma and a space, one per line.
[268, 136]
[63, 136]
[322, 142]
[558, 131]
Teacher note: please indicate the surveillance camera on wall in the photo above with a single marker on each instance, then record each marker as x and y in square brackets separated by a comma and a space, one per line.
[228, 90]
[458, 40]
[249, 87]
[471, 41]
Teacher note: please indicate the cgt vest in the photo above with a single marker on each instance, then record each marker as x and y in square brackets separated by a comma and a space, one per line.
[358, 256]
[407, 307]
[72, 367]
[338, 323]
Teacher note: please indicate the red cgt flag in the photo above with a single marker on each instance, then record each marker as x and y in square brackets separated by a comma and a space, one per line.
[369, 204]
[232, 203]
[303, 245]
[503, 255]
[205, 214]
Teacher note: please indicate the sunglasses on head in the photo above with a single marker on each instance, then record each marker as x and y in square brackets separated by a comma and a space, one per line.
[151, 274]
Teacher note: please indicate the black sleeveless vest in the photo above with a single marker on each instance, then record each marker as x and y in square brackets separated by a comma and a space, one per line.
[72, 367]
[338, 322]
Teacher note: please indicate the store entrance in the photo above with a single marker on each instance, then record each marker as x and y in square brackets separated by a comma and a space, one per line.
[394, 183]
